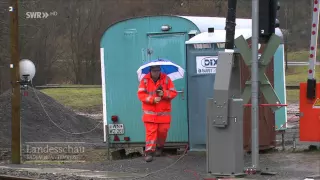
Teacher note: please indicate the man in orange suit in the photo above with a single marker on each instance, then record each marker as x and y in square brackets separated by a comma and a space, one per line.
[156, 90]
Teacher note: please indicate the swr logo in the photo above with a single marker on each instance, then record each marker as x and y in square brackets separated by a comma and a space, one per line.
[36, 15]
[209, 62]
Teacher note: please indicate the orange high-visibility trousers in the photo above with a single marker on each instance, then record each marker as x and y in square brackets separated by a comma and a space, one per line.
[156, 135]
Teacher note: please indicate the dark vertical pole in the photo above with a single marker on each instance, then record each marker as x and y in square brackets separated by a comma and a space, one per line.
[231, 23]
[1, 84]
[286, 49]
[15, 76]
[286, 35]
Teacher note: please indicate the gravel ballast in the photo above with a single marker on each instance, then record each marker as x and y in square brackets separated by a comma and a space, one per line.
[47, 176]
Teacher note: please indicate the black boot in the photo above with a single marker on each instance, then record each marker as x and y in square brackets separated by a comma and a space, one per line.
[149, 156]
[159, 151]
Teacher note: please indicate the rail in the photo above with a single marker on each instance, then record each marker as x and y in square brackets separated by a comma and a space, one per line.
[54, 86]
[289, 87]
[266, 105]
[6, 177]
[296, 63]
[48, 86]
[293, 87]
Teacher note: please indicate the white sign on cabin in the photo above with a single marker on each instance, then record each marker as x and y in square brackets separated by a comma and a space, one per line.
[206, 64]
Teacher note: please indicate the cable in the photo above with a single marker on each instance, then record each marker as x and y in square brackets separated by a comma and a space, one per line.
[167, 167]
[55, 123]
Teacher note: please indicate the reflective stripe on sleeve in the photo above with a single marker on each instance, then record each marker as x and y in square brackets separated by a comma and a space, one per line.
[148, 98]
[142, 89]
[145, 90]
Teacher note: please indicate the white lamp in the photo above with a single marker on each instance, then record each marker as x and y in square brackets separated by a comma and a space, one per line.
[27, 70]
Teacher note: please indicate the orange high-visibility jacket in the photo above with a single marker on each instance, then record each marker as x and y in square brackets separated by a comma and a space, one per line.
[160, 112]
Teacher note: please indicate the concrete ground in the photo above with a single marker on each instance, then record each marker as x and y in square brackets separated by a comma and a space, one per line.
[292, 164]
[287, 165]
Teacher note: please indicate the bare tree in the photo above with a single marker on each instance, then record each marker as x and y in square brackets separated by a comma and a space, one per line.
[85, 33]
[65, 48]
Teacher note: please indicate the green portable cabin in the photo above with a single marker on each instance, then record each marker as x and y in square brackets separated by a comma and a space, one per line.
[125, 46]
[203, 49]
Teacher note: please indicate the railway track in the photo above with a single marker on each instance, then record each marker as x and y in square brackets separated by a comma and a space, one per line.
[6, 177]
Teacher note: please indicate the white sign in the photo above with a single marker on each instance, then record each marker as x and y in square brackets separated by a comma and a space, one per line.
[40, 15]
[206, 64]
[116, 129]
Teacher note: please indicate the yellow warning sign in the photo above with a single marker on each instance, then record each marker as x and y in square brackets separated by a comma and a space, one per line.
[316, 103]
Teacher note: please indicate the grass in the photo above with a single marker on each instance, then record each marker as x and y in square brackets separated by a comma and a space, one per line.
[91, 98]
[79, 85]
[297, 74]
[74, 85]
[299, 55]
[81, 99]
[292, 96]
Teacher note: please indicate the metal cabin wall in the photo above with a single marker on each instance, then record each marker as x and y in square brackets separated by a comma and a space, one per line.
[200, 91]
[280, 87]
[200, 88]
[125, 46]
[267, 134]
